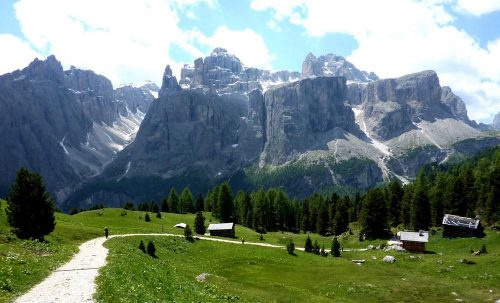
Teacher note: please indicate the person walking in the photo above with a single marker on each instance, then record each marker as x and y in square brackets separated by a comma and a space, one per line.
[106, 232]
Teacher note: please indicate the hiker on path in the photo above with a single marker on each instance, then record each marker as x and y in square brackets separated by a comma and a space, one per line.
[106, 232]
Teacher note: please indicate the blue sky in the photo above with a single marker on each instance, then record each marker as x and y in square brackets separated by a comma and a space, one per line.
[132, 40]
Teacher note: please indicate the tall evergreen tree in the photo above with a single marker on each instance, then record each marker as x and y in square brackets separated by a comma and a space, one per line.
[341, 216]
[492, 207]
[30, 210]
[335, 247]
[199, 204]
[373, 217]
[225, 203]
[394, 197]
[199, 223]
[259, 210]
[420, 210]
[406, 205]
[186, 201]
[173, 201]
[164, 206]
[436, 194]
[308, 246]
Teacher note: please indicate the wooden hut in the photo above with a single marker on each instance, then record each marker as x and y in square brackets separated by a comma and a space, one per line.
[221, 230]
[456, 226]
[413, 241]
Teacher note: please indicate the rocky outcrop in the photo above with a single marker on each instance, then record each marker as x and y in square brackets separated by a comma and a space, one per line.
[455, 104]
[64, 124]
[169, 83]
[300, 115]
[332, 65]
[496, 122]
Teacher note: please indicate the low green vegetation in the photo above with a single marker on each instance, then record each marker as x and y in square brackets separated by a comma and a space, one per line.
[204, 271]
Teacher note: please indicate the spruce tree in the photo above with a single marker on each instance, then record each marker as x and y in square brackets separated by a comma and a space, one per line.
[142, 247]
[30, 210]
[147, 218]
[199, 205]
[316, 248]
[225, 203]
[335, 247]
[420, 210]
[323, 252]
[173, 201]
[341, 219]
[188, 233]
[290, 247]
[186, 201]
[394, 196]
[373, 217]
[199, 223]
[158, 215]
[308, 246]
[151, 249]
[164, 205]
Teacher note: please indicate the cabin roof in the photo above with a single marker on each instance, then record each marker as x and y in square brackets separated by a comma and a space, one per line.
[453, 220]
[220, 226]
[414, 236]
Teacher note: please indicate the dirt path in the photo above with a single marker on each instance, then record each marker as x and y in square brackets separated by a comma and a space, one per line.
[75, 280]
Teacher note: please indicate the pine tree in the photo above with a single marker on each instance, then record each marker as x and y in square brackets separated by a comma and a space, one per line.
[188, 233]
[341, 216]
[373, 217]
[199, 205]
[335, 247]
[225, 203]
[420, 210]
[199, 223]
[186, 201]
[153, 207]
[316, 248]
[394, 196]
[142, 247]
[406, 205]
[173, 201]
[308, 246]
[290, 247]
[164, 206]
[30, 210]
[151, 249]
[147, 218]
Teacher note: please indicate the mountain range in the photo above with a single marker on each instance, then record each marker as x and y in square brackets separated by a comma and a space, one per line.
[329, 127]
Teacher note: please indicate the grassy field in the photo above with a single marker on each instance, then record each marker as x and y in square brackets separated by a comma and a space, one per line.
[247, 273]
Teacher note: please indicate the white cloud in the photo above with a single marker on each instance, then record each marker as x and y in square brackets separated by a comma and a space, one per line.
[125, 40]
[397, 37]
[17, 53]
[477, 8]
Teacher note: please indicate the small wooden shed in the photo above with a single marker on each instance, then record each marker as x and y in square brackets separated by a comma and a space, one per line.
[221, 230]
[414, 241]
[456, 226]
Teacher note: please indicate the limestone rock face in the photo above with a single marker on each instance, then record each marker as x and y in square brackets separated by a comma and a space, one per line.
[332, 65]
[496, 122]
[66, 125]
[300, 115]
[455, 103]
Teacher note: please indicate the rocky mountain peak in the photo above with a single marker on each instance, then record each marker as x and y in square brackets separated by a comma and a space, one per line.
[496, 122]
[333, 65]
[169, 83]
[41, 70]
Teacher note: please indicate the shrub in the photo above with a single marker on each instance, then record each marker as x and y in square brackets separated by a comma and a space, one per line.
[142, 247]
[158, 215]
[323, 252]
[261, 237]
[290, 247]
[146, 218]
[123, 213]
[483, 249]
[316, 248]
[151, 249]
[188, 233]
[73, 211]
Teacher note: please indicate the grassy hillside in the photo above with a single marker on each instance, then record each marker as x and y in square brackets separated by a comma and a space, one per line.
[247, 273]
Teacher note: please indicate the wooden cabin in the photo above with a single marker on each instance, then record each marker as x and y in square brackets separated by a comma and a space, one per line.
[413, 241]
[456, 226]
[221, 230]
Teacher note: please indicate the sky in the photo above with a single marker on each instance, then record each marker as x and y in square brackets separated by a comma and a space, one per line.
[131, 41]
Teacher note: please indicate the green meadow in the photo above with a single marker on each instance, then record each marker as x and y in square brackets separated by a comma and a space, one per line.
[246, 273]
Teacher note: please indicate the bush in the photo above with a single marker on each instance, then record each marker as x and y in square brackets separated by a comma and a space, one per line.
[261, 238]
[188, 233]
[316, 248]
[151, 249]
[158, 215]
[146, 218]
[323, 252]
[290, 247]
[123, 213]
[142, 247]
[73, 211]
[129, 206]
[483, 249]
